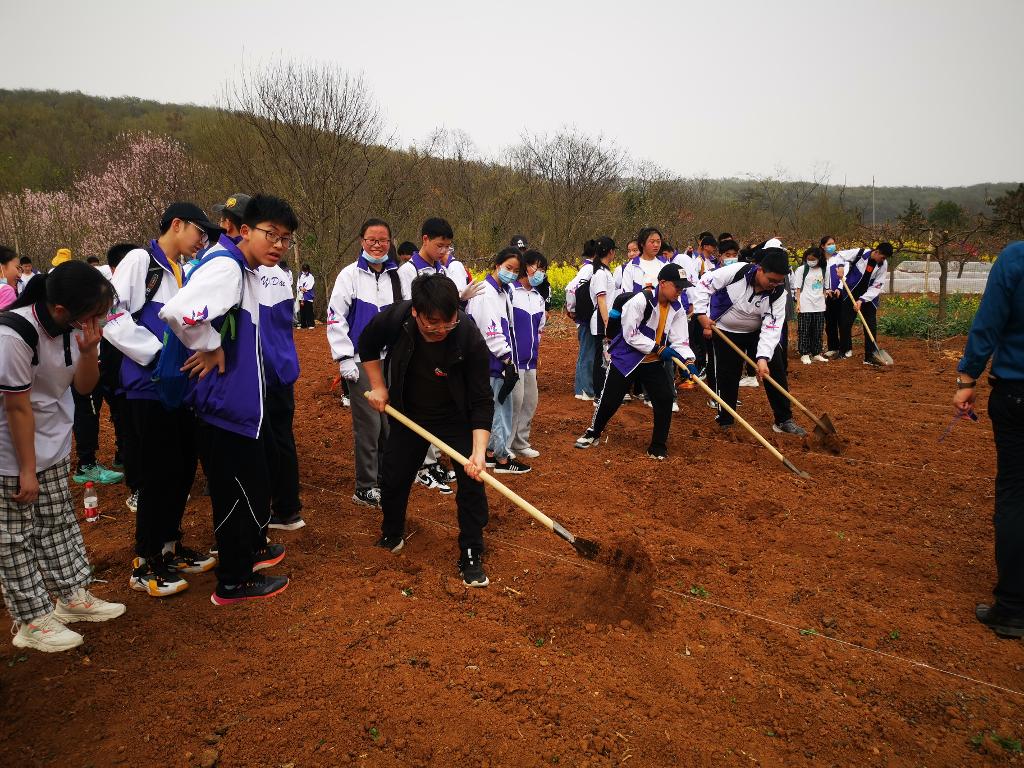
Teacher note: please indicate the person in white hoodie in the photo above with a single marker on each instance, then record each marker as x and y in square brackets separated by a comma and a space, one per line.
[647, 330]
[492, 313]
[583, 384]
[747, 302]
[304, 289]
[865, 277]
[362, 290]
[528, 320]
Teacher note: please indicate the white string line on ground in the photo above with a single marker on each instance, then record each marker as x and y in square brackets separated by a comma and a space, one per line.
[739, 611]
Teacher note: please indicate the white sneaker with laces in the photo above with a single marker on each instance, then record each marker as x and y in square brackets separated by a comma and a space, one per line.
[45, 634]
[830, 354]
[805, 359]
[846, 355]
[749, 381]
[528, 453]
[345, 402]
[583, 396]
[85, 606]
[820, 359]
[132, 502]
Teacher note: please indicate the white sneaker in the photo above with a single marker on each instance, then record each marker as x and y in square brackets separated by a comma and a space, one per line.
[627, 398]
[820, 359]
[805, 359]
[132, 502]
[846, 355]
[45, 634]
[749, 381]
[528, 453]
[85, 606]
[345, 402]
[583, 396]
[675, 407]
[830, 354]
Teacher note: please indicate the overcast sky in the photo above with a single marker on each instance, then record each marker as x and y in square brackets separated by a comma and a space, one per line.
[918, 92]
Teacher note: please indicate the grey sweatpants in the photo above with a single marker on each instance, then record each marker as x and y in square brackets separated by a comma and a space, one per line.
[524, 405]
[41, 547]
[369, 432]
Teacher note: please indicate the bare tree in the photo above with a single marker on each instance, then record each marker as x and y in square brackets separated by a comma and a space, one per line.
[570, 180]
[314, 133]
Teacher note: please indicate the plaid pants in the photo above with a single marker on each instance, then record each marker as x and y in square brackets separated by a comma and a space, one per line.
[41, 546]
[809, 328]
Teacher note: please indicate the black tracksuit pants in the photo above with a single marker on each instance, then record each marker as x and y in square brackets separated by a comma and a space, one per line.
[166, 444]
[86, 426]
[236, 468]
[306, 314]
[698, 343]
[403, 456]
[1006, 409]
[652, 377]
[278, 439]
[833, 310]
[729, 368]
[599, 370]
[849, 314]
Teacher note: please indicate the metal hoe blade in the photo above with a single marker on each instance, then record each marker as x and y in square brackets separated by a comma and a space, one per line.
[882, 357]
[584, 547]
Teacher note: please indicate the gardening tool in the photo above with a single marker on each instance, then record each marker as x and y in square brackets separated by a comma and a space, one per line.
[880, 356]
[732, 412]
[959, 417]
[822, 424]
[584, 547]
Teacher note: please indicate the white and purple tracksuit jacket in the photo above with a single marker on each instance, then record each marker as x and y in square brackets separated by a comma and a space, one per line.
[637, 338]
[280, 360]
[735, 305]
[528, 319]
[491, 310]
[359, 294]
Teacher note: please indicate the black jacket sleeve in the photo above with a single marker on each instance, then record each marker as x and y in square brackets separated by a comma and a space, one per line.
[383, 330]
[480, 398]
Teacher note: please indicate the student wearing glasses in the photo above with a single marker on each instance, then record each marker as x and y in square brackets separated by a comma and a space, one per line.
[437, 374]
[363, 288]
[145, 280]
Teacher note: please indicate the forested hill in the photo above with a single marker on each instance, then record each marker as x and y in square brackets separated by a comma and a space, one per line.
[48, 136]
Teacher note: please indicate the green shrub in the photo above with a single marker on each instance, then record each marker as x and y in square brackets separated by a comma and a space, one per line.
[917, 316]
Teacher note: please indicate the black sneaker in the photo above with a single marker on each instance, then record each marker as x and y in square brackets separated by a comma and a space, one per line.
[152, 577]
[268, 556]
[291, 523]
[393, 544]
[187, 560]
[366, 497]
[471, 569]
[511, 467]
[450, 477]
[255, 587]
[440, 476]
[587, 439]
[425, 476]
[1000, 621]
[789, 427]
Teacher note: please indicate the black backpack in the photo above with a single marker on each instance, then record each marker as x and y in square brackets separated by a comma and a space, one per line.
[614, 327]
[742, 273]
[30, 336]
[584, 303]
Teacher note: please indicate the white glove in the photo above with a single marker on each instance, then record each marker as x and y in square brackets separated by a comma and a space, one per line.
[349, 370]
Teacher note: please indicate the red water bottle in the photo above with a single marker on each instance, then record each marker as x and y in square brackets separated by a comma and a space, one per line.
[92, 504]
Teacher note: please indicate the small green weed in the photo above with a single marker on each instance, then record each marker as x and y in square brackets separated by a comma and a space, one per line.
[698, 591]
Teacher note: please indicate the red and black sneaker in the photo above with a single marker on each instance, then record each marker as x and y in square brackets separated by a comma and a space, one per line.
[256, 587]
[268, 556]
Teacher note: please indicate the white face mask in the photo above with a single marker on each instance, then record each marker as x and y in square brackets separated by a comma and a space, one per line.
[812, 262]
[731, 260]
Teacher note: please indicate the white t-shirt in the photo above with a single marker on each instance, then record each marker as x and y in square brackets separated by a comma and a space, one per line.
[458, 274]
[49, 385]
[603, 282]
[811, 287]
[651, 269]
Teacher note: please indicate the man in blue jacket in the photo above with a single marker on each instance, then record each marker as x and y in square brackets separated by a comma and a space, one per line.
[998, 333]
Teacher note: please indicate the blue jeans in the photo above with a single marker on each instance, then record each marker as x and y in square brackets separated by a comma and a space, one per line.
[584, 383]
[501, 425]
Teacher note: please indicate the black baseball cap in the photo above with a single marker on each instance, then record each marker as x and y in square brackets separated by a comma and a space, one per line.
[235, 205]
[518, 241]
[674, 274]
[193, 213]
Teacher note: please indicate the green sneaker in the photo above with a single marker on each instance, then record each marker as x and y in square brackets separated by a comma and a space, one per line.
[97, 473]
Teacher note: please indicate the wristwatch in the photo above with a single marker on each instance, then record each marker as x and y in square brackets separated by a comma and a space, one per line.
[961, 384]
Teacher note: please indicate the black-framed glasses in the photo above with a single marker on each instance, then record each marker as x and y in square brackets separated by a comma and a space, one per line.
[273, 238]
[377, 241]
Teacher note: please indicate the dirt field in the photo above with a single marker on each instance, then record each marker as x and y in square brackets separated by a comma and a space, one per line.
[792, 622]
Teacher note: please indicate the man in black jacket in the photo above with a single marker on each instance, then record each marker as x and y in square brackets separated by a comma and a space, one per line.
[437, 375]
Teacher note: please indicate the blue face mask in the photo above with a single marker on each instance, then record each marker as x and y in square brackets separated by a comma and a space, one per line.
[727, 262]
[374, 259]
[507, 277]
[537, 278]
[830, 249]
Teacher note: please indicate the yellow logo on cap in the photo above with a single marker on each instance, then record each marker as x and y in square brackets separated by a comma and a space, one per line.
[231, 203]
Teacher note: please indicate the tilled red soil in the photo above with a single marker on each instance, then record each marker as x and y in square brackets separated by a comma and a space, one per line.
[765, 619]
